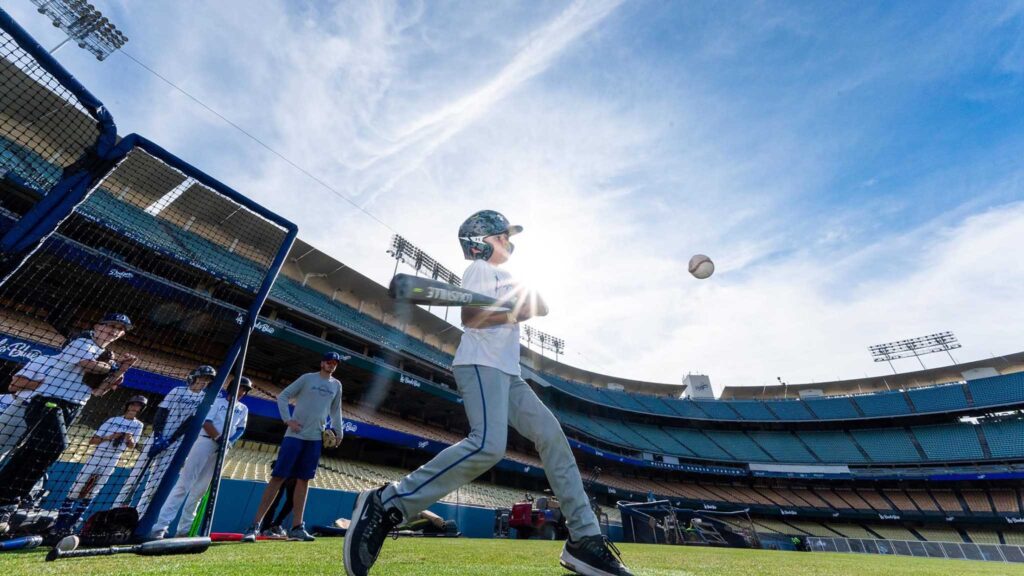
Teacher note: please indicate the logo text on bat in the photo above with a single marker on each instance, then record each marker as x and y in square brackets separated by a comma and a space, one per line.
[448, 295]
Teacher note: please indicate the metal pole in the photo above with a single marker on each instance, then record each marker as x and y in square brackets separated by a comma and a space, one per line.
[61, 45]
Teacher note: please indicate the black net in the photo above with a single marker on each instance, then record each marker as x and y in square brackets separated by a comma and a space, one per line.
[151, 249]
[44, 129]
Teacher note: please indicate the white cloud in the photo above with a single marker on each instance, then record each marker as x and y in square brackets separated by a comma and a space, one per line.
[620, 164]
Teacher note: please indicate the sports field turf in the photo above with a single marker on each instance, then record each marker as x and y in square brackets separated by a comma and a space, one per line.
[493, 558]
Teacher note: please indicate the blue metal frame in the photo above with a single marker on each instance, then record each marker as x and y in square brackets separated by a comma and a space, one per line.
[122, 150]
[44, 216]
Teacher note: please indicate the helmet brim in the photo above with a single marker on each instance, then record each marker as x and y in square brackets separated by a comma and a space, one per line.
[515, 229]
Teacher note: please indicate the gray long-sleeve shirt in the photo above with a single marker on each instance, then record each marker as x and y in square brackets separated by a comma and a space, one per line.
[315, 399]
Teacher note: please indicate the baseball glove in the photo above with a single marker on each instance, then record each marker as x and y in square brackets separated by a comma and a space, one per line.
[330, 439]
[93, 380]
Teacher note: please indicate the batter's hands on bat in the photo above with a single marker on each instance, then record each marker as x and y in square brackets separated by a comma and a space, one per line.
[294, 426]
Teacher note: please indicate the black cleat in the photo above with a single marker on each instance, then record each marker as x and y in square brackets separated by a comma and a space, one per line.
[369, 526]
[593, 556]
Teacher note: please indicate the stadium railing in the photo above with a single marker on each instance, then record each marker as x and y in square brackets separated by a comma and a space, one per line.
[954, 550]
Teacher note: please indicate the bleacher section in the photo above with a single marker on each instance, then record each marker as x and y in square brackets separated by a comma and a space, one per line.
[294, 294]
[938, 398]
[1005, 439]
[949, 442]
[887, 445]
[252, 461]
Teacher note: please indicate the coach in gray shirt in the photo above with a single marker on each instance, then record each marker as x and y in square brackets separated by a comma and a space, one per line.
[316, 395]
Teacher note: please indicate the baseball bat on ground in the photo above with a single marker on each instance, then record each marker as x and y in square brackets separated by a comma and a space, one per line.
[21, 543]
[163, 547]
[419, 290]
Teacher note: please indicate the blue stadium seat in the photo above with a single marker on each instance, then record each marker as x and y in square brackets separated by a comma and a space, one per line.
[698, 443]
[28, 165]
[883, 404]
[782, 446]
[1005, 439]
[686, 408]
[939, 398]
[739, 445]
[790, 410]
[832, 408]
[949, 442]
[664, 443]
[625, 400]
[301, 297]
[832, 446]
[887, 445]
[997, 390]
[752, 410]
[654, 405]
[717, 409]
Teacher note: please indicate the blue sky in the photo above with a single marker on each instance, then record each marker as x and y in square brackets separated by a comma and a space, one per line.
[852, 168]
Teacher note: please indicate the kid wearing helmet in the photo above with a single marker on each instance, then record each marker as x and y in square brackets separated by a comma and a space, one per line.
[111, 439]
[197, 472]
[173, 416]
[494, 396]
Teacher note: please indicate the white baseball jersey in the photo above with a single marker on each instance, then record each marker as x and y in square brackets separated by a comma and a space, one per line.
[496, 346]
[112, 449]
[219, 412]
[181, 403]
[62, 377]
[36, 368]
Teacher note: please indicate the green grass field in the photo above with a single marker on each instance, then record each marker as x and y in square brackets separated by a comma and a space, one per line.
[422, 557]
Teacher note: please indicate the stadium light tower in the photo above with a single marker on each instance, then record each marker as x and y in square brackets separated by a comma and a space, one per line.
[84, 24]
[930, 344]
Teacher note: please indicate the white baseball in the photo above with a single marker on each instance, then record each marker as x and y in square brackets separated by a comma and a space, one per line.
[68, 543]
[701, 266]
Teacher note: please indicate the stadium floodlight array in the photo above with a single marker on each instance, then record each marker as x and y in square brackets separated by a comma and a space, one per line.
[84, 24]
[916, 347]
[405, 252]
[546, 341]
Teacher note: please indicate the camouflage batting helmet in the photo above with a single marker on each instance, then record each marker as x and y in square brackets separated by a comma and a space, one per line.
[204, 370]
[138, 399]
[479, 226]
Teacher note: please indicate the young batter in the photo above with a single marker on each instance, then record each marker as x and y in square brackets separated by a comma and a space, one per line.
[495, 396]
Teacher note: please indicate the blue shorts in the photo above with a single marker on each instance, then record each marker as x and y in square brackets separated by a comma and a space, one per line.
[297, 458]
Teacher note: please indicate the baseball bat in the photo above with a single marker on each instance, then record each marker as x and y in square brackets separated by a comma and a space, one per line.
[163, 547]
[21, 543]
[418, 290]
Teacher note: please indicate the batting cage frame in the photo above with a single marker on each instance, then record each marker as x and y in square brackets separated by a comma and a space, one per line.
[662, 522]
[127, 230]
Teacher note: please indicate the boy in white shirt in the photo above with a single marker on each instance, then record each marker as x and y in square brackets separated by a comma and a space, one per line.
[197, 472]
[494, 396]
[111, 439]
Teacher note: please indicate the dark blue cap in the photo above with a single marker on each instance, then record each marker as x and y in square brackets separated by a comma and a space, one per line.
[116, 318]
[331, 357]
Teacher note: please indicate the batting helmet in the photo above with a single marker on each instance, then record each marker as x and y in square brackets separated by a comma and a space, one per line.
[138, 399]
[204, 370]
[245, 383]
[479, 226]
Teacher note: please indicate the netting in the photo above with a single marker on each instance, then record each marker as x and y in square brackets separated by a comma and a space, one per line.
[47, 123]
[151, 248]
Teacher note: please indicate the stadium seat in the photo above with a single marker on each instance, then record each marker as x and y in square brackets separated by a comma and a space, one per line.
[887, 445]
[782, 446]
[832, 446]
[943, 398]
[883, 404]
[947, 442]
[939, 534]
[790, 410]
[997, 390]
[832, 408]
[1005, 439]
[752, 410]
